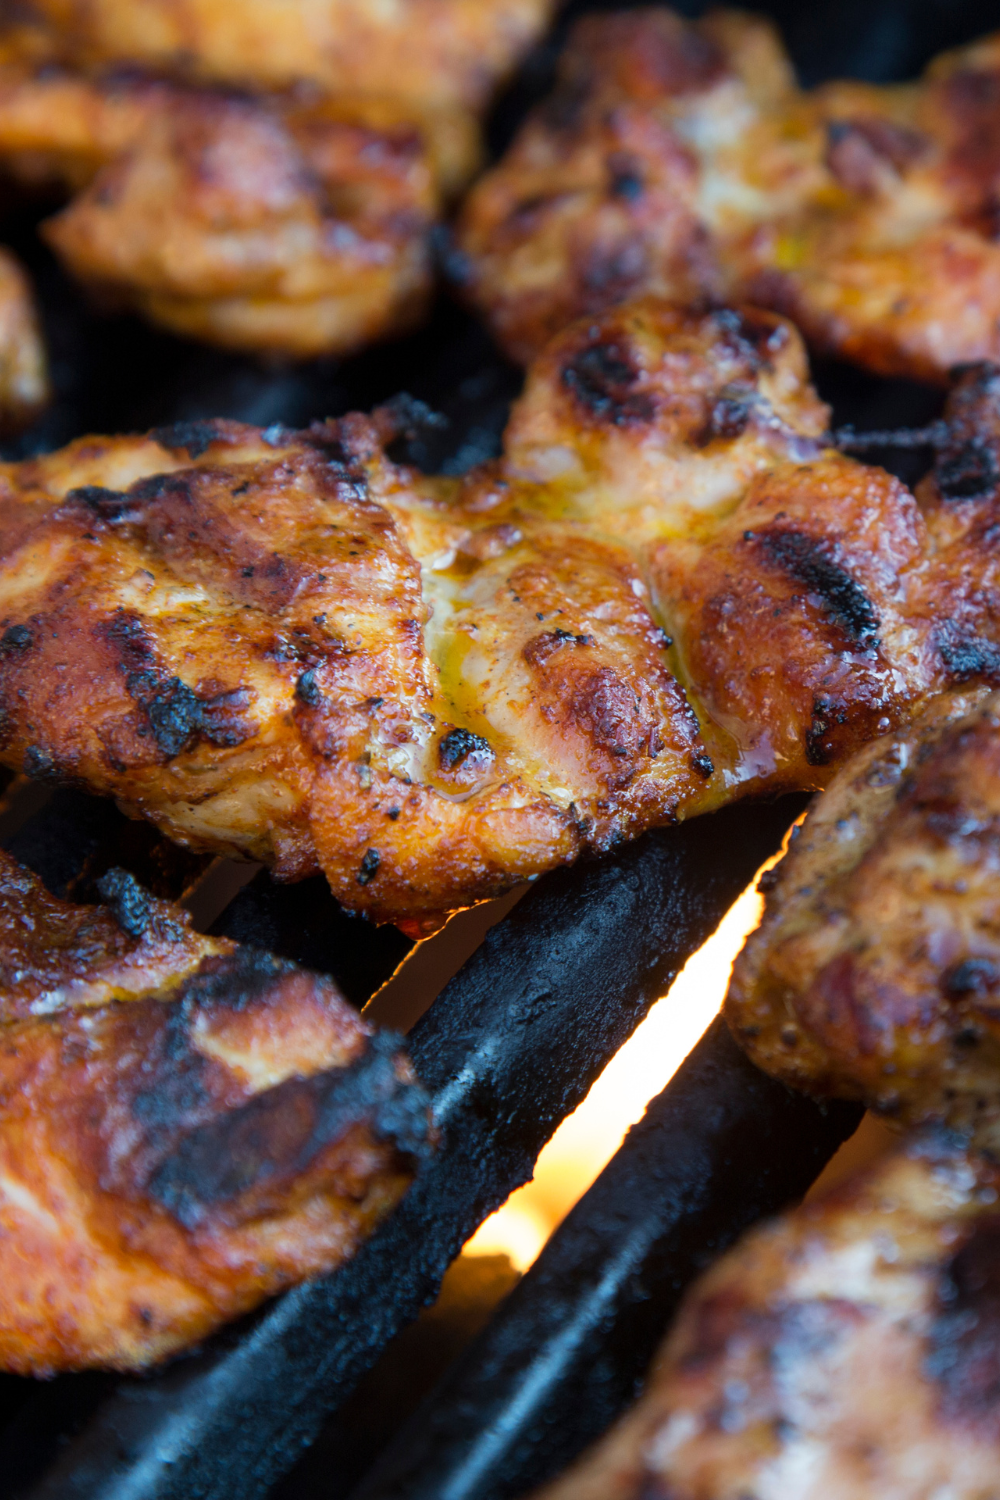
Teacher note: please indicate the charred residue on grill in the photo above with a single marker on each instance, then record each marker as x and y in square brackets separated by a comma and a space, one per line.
[807, 560]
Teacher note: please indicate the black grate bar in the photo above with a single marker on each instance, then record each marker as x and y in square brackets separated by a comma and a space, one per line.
[719, 1148]
[510, 1047]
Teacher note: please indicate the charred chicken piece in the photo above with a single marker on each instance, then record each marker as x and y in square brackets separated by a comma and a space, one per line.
[847, 1351]
[667, 593]
[276, 226]
[875, 972]
[24, 377]
[439, 61]
[186, 1127]
[681, 158]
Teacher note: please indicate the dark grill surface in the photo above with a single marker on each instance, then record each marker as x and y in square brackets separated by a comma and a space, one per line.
[515, 1039]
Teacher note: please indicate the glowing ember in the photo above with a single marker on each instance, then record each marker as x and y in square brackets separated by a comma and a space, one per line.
[588, 1138]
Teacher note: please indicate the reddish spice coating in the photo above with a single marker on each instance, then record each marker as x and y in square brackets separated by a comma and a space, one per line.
[680, 158]
[186, 1127]
[668, 592]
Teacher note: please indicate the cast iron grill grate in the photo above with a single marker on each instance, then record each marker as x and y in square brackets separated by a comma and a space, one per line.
[516, 1037]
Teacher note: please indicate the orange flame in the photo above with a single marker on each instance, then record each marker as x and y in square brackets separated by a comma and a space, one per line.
[588, 1138]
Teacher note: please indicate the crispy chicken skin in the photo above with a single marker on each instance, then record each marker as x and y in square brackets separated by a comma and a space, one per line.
[186, 1127]
[24, 376]
[667, 593]
[847, 1351]
[681, 158]
[875, 972]
[276, 226]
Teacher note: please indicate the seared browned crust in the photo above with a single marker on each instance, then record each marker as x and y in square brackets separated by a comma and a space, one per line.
[666, 594]
[24, 376]
[271, 225]
[848, 1351]
[186, 1127]
[680, 158]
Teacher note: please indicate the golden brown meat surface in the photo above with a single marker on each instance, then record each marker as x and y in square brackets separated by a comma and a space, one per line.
[667, 593]
[24, 376]
[186, 1127]
[681, 158]
[847, 1351]
[273, 225]
[875, 972]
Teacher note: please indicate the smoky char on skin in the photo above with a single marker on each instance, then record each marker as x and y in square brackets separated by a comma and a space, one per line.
[668, 592]
[846, 1351]
[681, 158]
[186, 1127]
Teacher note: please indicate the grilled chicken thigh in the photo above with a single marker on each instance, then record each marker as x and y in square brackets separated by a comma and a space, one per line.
[278, 226]
[876, 970]
[186, 1127]
[681, 158]
[24, 377]
[847, 1351]
[667, 593]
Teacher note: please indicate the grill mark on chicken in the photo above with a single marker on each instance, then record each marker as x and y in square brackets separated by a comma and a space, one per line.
[276, 1136]
[967, 656]
[177, 716]
[197, 1125]
[193, 438]
[293, 649]
[603, 379]
[969, 472]
[807, 560]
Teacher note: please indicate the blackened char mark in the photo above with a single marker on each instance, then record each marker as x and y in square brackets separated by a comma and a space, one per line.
[602, 379]
[40, 765]
[964, 1357]
[16, 638]
[100, 503]
[975, 977]
[966, 656]
[178, 717]
[128, 901]
[969, 472]
[459, 746]
[234, 980]
[192, 438]
[807, 560]
[825, 716]
[750, 337]
[276, 1136]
